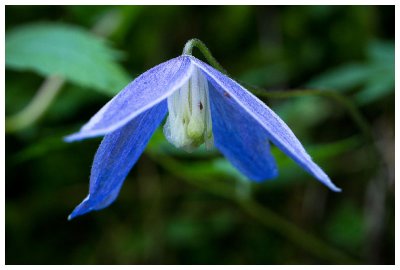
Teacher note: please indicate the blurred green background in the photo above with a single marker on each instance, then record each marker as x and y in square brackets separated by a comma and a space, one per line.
[176, 208]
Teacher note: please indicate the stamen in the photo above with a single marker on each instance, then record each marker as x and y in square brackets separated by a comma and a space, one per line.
[189, 121]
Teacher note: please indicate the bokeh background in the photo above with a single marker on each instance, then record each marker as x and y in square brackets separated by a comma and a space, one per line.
[179, 208]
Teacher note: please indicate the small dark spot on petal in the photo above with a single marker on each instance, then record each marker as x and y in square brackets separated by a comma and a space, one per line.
[226, 94]
[201, 106]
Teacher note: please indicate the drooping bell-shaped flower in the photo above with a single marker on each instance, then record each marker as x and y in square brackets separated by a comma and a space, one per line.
[204, 106]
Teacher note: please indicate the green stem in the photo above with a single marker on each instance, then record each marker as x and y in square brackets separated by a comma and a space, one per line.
[37, 106]
[265, 216]
[194, 42]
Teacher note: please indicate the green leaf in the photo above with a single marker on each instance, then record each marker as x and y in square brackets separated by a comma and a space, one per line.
[381, 51]
[378, 86]
[375, 78]
[382, 80]
[343, 78]
[65, 50]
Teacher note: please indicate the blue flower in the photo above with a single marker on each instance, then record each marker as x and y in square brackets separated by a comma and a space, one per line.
[205, 107]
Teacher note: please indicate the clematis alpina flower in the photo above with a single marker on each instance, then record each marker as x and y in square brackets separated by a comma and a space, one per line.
[204, 106]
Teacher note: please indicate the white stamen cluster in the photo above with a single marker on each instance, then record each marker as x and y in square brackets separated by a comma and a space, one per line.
[189, 121]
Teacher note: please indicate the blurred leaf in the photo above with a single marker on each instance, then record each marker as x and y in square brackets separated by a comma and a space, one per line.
[342, 78]
[379, 51]
[68, 51]
[375, 77]
[382, 80]
[377, 87]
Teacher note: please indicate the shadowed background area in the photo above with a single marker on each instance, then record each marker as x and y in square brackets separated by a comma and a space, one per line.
[179, 208]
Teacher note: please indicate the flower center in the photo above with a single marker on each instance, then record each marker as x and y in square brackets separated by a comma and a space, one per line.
[189, 120]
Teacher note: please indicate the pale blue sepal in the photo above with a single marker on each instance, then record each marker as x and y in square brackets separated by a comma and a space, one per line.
[240, 138]
[278, 132]
[117, 154]
[147, 90]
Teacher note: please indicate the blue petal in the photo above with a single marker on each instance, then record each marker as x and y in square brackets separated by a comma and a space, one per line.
[117, 154]
[278, 132]
[147, 90]
[240, 138]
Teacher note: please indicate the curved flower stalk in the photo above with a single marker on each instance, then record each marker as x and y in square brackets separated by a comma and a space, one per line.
[204, 106]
